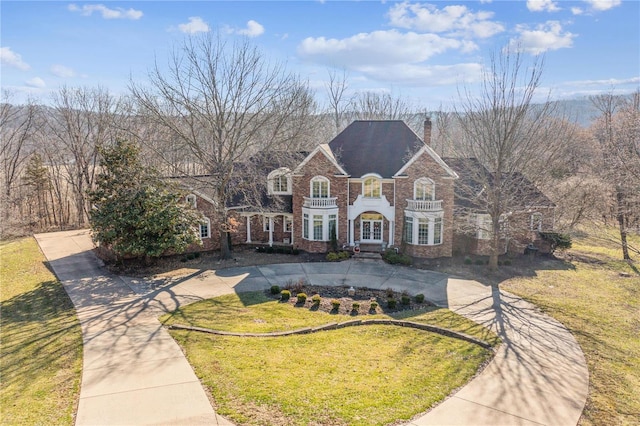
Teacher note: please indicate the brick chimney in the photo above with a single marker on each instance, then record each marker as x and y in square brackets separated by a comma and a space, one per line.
[427, 131]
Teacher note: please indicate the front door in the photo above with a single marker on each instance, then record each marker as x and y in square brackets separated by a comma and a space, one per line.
[371, 226]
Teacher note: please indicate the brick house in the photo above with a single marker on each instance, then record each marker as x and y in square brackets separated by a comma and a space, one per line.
[376, 185]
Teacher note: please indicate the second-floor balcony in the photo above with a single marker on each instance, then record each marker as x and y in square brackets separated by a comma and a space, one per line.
[322, 203]
[424, 205]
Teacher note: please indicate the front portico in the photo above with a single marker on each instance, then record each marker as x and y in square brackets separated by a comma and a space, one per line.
[369, 214]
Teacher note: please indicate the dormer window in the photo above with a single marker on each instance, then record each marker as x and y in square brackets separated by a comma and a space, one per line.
[191, 200]
[424, 189]
[279, 181]
[372, 187]
[320, 187]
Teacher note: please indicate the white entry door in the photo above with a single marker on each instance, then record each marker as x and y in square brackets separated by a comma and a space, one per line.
[371, 225]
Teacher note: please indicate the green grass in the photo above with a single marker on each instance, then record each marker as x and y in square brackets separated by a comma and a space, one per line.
[371, 375]
[41, 350]
[602, 310]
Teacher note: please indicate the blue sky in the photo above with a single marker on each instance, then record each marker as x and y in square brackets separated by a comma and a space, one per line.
[420, 51]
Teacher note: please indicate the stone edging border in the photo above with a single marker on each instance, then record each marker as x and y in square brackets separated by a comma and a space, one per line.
[335, 326]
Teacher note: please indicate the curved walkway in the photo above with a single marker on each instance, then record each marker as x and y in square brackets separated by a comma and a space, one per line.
[134, 373]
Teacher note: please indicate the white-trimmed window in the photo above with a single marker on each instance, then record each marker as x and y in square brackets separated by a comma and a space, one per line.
[320, 187]
[191, 200]
[424, 189]
[205, 228]
[423, 230]
[408, 229]
[279, 181]
[287, 224]
[318, 227]
[484, 225]
[371, 187]
[536, 222]
[305, 226]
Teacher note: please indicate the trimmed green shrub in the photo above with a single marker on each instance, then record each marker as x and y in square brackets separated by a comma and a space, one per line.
[275, 289]
[373, 306]
[302, 297]
[316, 299]
[335, 303]
[336, 256]
[405, 299]
[419, 298]
[285, 294]
[467, 260]
[390, 256]
[556, 240]
[355, 306]
[392, 303]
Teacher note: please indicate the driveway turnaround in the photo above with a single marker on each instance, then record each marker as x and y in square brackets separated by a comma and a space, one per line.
[134, 373]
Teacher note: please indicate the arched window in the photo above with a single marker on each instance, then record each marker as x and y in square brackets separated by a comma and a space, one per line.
[424, 189]
[371, 187]
[280, 181]
[320, 187]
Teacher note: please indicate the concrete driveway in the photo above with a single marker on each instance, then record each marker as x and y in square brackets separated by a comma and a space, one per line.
[134, 373]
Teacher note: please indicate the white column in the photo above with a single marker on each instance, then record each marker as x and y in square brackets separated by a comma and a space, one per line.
[351, 232]
[292, 232]
[270, 231]
[248, 229]
[391, 226]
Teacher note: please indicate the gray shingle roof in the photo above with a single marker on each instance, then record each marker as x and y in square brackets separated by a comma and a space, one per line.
[381, 147]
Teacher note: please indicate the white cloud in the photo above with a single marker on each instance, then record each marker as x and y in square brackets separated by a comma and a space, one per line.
[544, 37]
[612, 82]
[62, 71]
[577, 11]
[10, 58]
[195, 25]
[425, 75]
[253, 29]
[601, 5]
[455, 19]
[107, 13]
[542, 5]
[35, 82]
[365, 48]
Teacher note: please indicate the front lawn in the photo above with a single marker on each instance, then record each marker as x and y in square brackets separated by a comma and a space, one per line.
[41, 355]
[370, 375]
[597, 297]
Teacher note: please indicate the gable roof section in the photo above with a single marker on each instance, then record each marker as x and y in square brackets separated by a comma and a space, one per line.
[426, 149]
[327, 152]
[375, 146]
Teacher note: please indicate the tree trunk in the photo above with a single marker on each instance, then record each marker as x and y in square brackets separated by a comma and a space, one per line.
[622, 225]
[225, 250]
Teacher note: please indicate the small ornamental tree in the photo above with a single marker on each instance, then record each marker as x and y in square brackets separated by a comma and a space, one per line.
[135, 213]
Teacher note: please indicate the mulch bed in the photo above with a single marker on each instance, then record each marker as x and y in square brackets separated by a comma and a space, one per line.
[364, 296]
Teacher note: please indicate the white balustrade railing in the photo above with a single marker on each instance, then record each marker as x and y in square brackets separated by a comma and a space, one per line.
[424, 205]
[320, 202]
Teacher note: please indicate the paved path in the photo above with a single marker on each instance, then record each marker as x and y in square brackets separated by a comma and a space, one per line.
[134, 373]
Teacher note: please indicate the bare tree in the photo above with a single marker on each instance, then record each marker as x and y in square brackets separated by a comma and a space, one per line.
[506, 142]
[82, 120]
[378, 106]
[225, 103]
[18, 123]
[336, 91]
[618, 133]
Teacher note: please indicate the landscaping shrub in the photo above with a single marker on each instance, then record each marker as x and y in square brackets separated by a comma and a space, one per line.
[275, 289]
[336, 256]
[316, 299]
[390, 256]
[405, 299]
[392, 303]
[302, 297]
[389, 291]
[285, 294]
[335, 303]
[295, 252]
[374, 305]
[556, 240]
[507, 262]
[355, 306]
[467, 260]
[419, 298]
